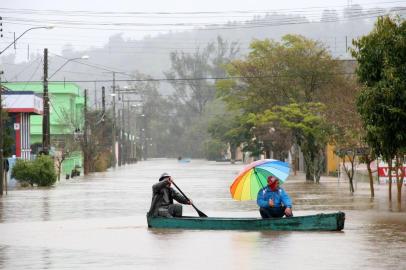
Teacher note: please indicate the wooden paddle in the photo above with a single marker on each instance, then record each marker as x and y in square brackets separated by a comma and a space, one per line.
[201, 214]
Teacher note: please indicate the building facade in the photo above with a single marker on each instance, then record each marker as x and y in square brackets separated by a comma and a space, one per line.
[20, 106]
[66, 103]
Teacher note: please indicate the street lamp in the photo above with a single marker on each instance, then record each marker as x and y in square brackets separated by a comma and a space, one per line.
[67, 61]
[1, 119]
[29, 29]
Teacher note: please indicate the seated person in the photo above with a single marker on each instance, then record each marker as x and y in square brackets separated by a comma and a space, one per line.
[273, 200]
[162, 199]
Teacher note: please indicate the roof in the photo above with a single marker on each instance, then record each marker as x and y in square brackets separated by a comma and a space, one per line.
[53, 87]
[22, 101]
[9, 92]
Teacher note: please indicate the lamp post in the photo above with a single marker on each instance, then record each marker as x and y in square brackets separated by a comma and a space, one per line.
[29, 29]
[66, 62]
[1, 119]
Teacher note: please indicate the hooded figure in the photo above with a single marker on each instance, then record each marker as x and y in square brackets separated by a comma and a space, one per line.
[273, 200]
[162, 199]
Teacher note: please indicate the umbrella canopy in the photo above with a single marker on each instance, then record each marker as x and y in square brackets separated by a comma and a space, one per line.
[254, 177]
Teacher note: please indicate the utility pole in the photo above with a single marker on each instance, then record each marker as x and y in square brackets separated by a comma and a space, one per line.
[123, 146]
[103, 100]
[45, 117]
[1, 139]
[85, 147]
[114, 121]
[95, 95]
[144, 142]
[119, 137]
[136, 139]
[128, 141]
[103, 113]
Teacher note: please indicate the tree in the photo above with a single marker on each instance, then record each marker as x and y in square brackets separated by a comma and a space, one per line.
[276, 140]
[296, 70]
[40, 171]
[381, 57]
[229, 129]
[203, 63]
[368, 157]
[346, 124]
[195, 93]
[97, 149]
[98, 145]
[152, 117]
[8, 141]
[309, 128]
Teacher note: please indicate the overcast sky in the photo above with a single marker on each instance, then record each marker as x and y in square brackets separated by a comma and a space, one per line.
[182, 5]
[77, 23]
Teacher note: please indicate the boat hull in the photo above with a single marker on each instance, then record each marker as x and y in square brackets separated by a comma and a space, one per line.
[319, 222]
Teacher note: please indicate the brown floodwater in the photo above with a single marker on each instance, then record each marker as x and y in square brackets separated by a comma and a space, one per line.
[98, 222]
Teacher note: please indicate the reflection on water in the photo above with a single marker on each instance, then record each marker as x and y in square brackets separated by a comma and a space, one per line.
[98, 222]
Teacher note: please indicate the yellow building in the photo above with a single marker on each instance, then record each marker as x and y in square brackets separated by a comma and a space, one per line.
[332, 160]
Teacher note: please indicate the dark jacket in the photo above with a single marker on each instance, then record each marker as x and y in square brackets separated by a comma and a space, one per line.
[162, 195]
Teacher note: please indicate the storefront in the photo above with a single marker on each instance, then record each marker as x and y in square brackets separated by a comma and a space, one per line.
[20, 106]
[383, 172]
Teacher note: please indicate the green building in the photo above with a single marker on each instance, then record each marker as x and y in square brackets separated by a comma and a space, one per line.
[66, 104]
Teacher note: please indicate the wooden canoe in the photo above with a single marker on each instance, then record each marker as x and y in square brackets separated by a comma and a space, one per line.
[319, 222]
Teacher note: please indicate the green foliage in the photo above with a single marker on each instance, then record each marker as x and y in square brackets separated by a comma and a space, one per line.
[290, 80]
[227, 128]
[381, 57]
[309, 127]
[230, 129]
[40, 171]
[8, 141]
[22, 171]
[215, 149]
[43, 171]
[275, 73]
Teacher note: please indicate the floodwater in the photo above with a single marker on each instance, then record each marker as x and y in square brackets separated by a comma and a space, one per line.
[98, 222]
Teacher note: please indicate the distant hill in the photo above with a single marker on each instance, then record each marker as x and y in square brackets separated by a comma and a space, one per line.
[151, 55]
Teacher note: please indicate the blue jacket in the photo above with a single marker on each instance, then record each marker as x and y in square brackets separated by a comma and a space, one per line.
[279, 197]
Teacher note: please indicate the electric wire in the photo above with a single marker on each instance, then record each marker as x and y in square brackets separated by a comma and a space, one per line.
[190, 79]
[26, 67]
[131, 13]
[32, 75]
[287, 20]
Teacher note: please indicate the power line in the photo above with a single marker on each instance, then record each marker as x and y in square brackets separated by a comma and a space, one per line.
[28, 66]
[291, 20]
[186, 79]
[97, 66]
[32, 75]
[132, 13]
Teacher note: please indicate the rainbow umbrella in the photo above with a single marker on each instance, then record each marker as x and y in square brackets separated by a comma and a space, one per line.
[254, 177]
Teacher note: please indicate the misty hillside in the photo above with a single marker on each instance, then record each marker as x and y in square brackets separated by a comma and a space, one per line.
[150, 55]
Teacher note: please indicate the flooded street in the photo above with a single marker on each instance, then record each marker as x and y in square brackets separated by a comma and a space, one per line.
[98, 222]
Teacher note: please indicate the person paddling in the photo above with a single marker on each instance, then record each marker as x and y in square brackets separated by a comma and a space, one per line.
[273, 200]
[162, 199]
